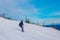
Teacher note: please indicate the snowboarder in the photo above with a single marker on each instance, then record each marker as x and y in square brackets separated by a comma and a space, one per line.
[21, 25]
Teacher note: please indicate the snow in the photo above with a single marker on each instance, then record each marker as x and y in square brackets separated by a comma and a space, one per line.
[9, 30]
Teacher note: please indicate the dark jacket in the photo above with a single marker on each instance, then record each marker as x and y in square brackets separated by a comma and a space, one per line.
[21, 24]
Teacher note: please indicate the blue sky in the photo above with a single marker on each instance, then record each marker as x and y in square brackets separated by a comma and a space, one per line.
[19, 9]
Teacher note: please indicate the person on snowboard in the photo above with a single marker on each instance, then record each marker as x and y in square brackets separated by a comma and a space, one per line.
[21, 25]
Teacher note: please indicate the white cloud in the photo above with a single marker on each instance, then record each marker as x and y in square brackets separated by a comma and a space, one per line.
[19, 7]
[57, 13]
[45, 21]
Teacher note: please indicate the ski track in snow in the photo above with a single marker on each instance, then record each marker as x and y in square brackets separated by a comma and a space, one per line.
[9, 30]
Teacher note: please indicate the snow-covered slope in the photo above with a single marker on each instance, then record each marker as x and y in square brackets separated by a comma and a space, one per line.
[9, 30]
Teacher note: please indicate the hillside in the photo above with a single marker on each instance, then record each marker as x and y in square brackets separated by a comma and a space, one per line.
[9, 30]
